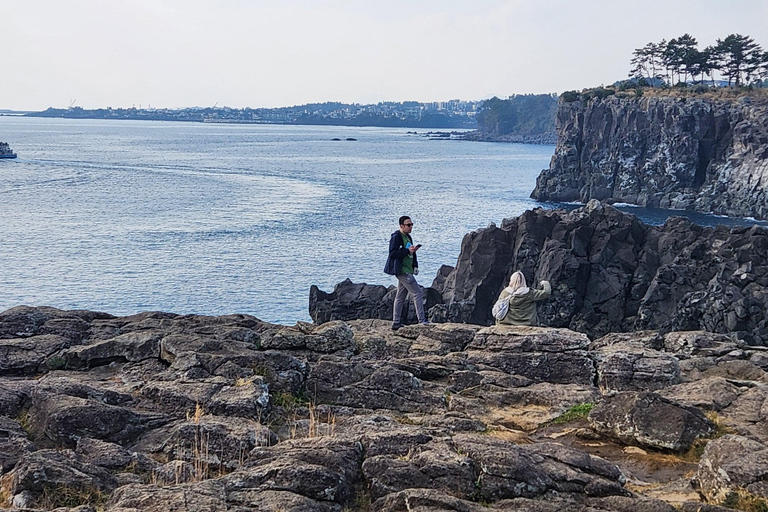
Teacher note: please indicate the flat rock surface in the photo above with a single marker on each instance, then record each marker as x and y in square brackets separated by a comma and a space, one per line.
[158, 412]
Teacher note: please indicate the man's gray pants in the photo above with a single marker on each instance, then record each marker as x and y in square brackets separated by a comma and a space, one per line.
[407, 283]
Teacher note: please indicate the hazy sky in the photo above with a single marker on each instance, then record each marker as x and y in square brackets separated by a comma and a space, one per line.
[177, 53]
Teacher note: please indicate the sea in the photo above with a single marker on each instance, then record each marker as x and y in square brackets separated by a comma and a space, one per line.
[213, 219]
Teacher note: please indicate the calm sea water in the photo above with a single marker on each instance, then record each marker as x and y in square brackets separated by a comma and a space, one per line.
[123, 217]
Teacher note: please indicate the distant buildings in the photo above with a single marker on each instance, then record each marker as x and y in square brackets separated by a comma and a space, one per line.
[448, 114]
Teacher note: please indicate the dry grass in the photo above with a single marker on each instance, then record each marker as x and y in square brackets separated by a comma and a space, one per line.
[199, 448]
[5, 493]
[240, 382]
[318, 424]
[508, 434]
[716, 93]
[25, 422]
[64, 496]
[741, 499]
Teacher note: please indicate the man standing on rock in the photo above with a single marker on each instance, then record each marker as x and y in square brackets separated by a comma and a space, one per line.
[402, 263]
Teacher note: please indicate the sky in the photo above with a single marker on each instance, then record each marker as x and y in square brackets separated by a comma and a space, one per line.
[253, 53]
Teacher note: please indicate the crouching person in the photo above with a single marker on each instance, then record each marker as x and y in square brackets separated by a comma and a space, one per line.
[520, 301]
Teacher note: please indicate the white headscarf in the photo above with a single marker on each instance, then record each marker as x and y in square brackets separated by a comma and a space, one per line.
[517, 284]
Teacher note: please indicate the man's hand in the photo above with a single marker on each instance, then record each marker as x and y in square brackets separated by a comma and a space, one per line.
[413, 249]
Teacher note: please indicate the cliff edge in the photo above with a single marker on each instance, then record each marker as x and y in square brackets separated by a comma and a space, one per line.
[689, 153]
[609, 273]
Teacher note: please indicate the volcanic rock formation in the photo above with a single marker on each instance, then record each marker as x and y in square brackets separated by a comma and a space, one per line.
[609, 273]
[691, 153]
[158, 412]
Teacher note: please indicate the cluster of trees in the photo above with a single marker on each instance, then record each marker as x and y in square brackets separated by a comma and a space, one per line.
[522, 114]
[738, 59]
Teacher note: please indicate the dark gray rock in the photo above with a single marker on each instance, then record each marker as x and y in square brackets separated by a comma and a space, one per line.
[25, 356]
[749, 413]
[509, 471]
[729, 463]
[226, 441]
[351, 301]
[375, 386]
[713, 393]
[649, 420]
[133, 346]
[111, 456]
[424, 500]
[629, 366]
[611, 273]
[200, 497]
[48, 469]
[215, 395]
[13, 444]
[322, 469]
[436, 466]
[329, 337]
[62, 420]
[661, 152]
[25, 321]
[13, 395]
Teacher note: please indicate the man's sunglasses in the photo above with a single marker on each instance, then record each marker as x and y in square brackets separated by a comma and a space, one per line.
[408, 225]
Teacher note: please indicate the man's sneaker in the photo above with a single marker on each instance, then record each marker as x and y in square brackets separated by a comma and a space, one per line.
[426, 323]
[396, 326]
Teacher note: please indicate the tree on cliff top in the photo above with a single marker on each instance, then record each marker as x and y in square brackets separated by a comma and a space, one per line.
[648, 62]
[741, 58]
[738, 58]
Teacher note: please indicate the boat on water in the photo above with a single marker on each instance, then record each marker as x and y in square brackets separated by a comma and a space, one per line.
[5, 151]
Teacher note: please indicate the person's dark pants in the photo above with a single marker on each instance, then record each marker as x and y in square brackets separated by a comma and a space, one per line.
[407, 283]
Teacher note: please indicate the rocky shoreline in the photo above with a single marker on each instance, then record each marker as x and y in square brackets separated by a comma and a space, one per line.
[479, 136]
[159, 412]
[609, 273]
[647, 390]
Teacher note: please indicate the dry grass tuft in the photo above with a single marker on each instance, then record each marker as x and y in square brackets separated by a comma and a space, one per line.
[63, 496]
[319, 424]
[741, 499]
[240, 382]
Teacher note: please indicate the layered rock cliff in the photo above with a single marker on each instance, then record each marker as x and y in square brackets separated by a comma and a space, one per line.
[694, 153]
[609, 273]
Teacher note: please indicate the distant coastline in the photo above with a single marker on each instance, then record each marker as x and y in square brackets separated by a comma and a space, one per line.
[452, 114]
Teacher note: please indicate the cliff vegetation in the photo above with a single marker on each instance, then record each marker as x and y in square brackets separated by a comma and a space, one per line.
[520, 118]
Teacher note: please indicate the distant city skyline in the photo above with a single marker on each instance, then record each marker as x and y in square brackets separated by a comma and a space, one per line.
[253, 53]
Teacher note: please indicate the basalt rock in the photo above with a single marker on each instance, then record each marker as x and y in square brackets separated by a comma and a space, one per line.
[730, 463]
[683, 153]
[649, 420]
[609, 273]
[159, 412]
[352, 301]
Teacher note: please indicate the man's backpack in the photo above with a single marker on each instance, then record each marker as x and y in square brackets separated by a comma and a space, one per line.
[501, 308]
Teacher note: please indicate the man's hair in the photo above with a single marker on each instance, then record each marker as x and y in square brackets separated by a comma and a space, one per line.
[403, 219]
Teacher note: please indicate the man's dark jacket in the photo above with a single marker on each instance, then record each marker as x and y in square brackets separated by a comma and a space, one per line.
[397, 252]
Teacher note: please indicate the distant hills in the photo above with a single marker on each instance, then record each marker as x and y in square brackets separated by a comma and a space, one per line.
[519, 118]
[409, 114]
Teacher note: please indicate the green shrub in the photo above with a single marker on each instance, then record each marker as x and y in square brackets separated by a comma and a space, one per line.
[56, 363]
[570, 96]
[576, 412]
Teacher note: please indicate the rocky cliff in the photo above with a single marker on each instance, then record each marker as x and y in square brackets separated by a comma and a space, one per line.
[160, 412]
[692, 153]
[609, 273]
